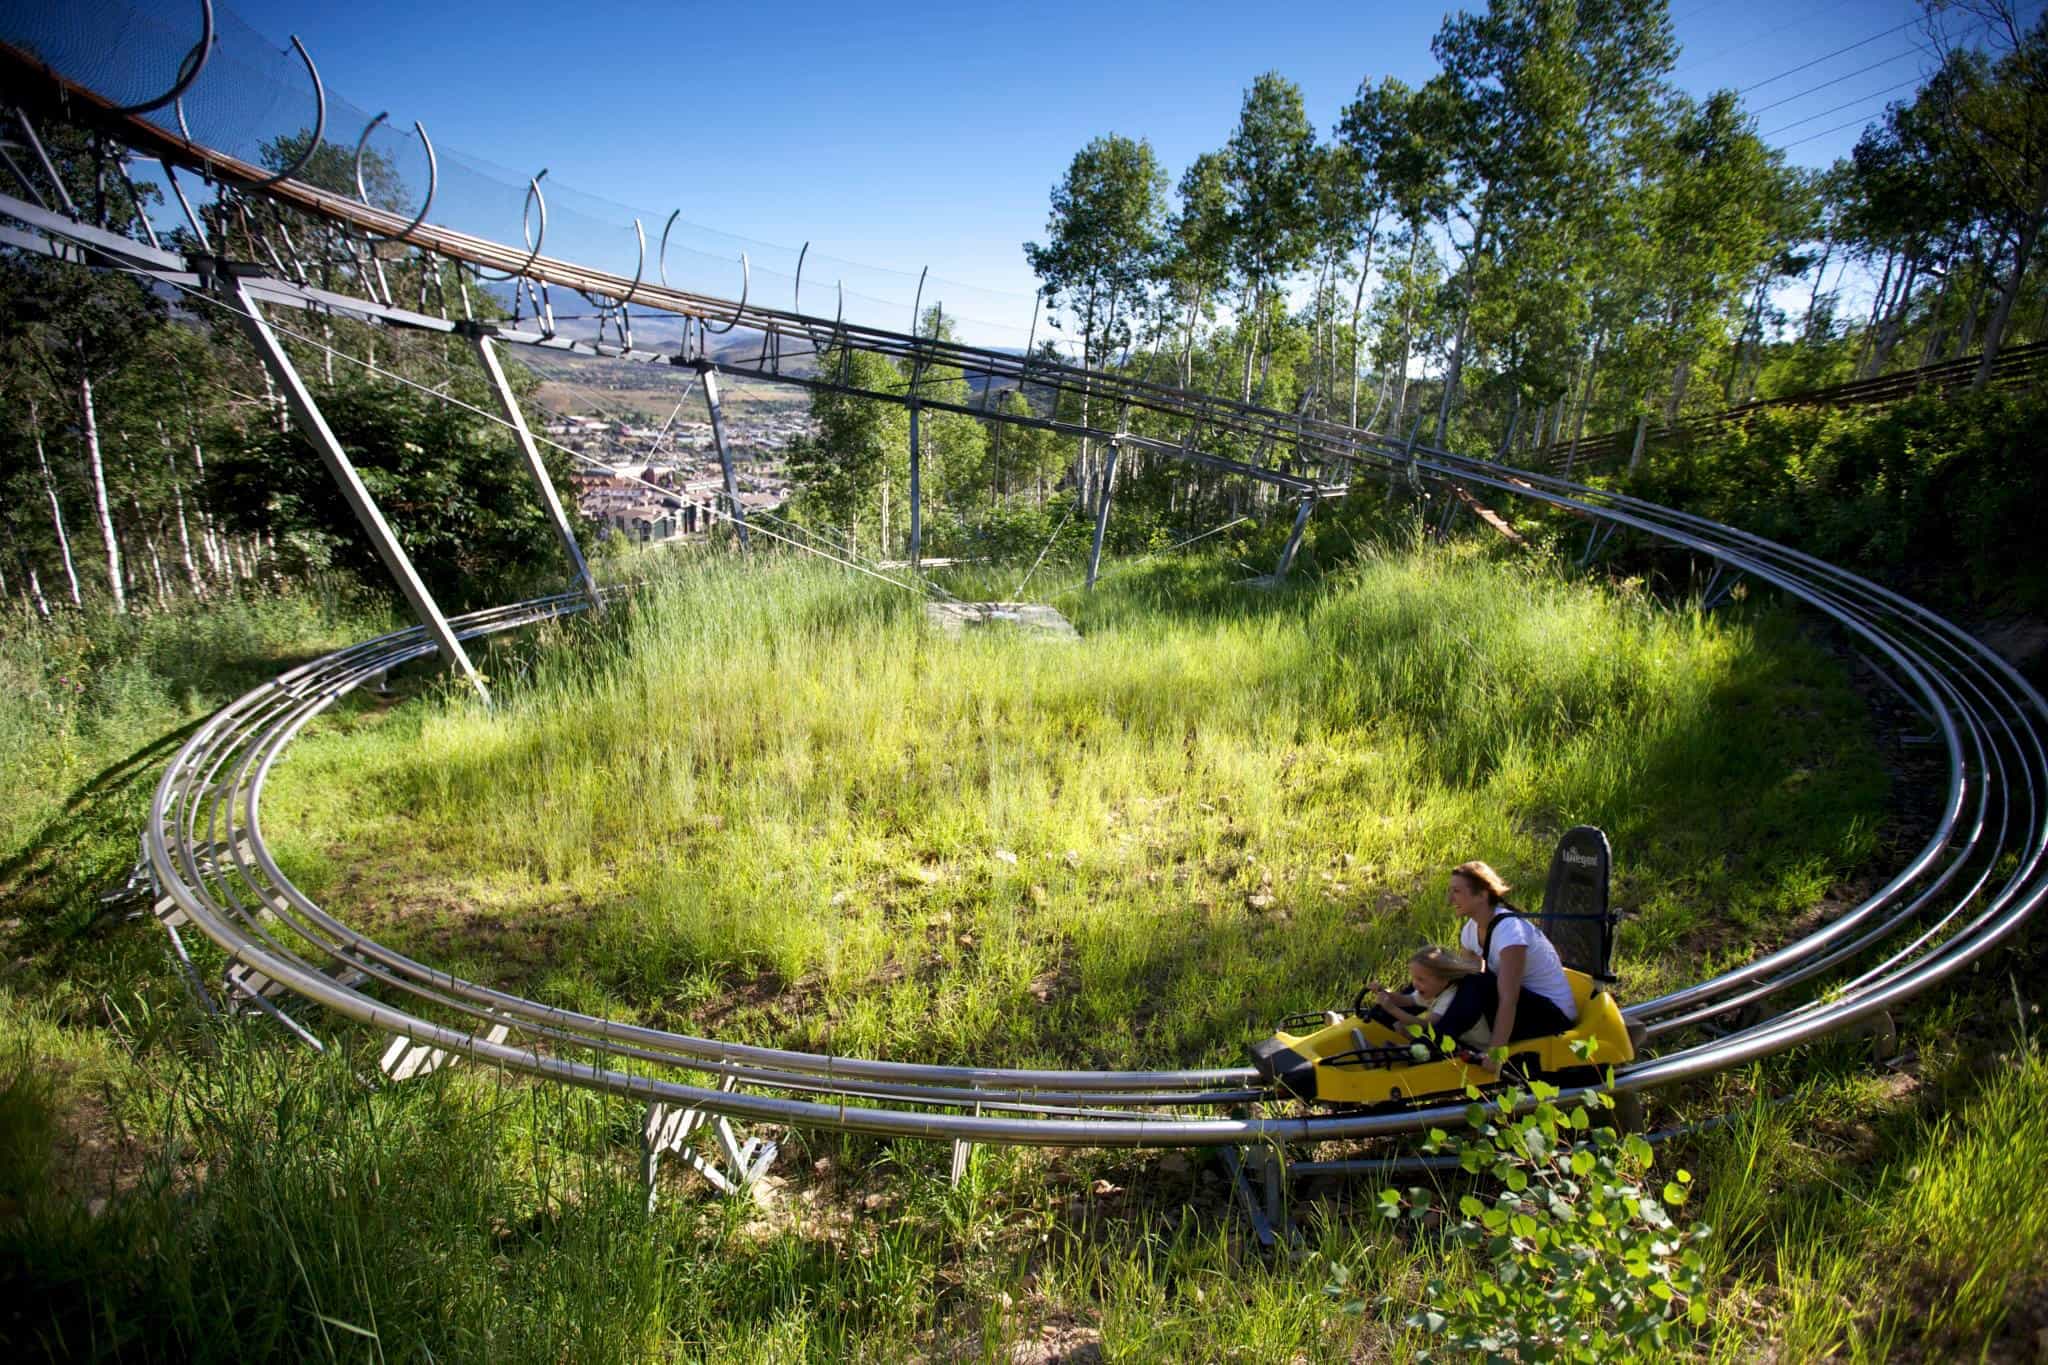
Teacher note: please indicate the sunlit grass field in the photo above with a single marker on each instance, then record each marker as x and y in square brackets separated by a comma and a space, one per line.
[778, 804]
[770, 802]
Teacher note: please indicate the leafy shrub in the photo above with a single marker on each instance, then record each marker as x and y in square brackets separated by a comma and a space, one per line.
[1939, 487]
[1584, 1262]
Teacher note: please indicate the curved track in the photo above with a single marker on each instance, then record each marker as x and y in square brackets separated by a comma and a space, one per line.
[1978, 875]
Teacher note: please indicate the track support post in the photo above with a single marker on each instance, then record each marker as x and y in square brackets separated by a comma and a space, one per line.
[549, 498]
[916, 493]
[734, 508]
[1258, 1176]
[313, 424]
[1301, 515]
[963, 1155]
[1102, 514]
[667, 1129]
[405, 1060]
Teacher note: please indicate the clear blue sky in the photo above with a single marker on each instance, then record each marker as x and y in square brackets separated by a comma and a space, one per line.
[899, 136]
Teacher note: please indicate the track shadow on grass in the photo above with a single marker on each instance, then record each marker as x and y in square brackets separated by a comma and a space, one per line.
[52, 884]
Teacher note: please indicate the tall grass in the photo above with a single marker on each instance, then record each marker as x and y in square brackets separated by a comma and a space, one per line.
[92, 703]
[775, 800]
[774, 804]
[1865, 1226]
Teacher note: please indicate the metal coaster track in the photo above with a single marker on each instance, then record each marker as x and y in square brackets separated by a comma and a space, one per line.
[1979, 874]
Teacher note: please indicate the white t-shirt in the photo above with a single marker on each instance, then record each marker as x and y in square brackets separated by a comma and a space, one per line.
[1541, 970]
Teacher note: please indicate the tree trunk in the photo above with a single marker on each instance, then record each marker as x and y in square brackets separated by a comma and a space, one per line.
[90, 426]
[1820, 275]
[56, 508]
[1884, 285]
[1895, 315]
[1939, 326]
[1678, 384]
[1372, 233]
[1407, 336]
[1635, 456]
[35, 588]
[156, 570]
[1456, 374]
[1585, 401]
[1452, 378]
[209, 537]
[1256, 314]
[2023, 247]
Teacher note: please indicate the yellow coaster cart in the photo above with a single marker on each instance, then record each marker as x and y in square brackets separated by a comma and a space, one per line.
[1358, 1061]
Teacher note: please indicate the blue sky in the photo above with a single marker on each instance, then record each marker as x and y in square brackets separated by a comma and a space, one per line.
[897, 137]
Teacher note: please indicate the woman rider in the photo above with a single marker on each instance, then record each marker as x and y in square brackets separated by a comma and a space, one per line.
[1523, 989]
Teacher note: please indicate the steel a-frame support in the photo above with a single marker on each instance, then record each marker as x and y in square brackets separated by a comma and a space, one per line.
[549, 498]
[734, 509]
[279, 362]
[1308, 505]
[1102, 514]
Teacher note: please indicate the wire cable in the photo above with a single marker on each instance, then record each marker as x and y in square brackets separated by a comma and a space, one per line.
[1861, 99]
[1795, 70]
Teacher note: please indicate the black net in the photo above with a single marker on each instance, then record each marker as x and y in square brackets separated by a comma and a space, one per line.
[254, 100]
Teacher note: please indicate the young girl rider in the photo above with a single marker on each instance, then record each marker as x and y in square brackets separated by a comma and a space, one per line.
[1436, 999]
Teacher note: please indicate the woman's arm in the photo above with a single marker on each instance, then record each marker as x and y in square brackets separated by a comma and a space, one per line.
[1513, 962]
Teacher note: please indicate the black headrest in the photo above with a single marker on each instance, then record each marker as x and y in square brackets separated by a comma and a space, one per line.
[1575, 913]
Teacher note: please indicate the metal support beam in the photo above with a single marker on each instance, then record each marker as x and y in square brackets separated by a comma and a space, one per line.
[549, 498]
[916, 493]
[1308, 505]
[667, 1129]
[1102, 514]
[733, 508]
[271, 351]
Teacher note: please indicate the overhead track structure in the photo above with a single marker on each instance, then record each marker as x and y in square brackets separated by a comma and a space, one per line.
[1978, 875]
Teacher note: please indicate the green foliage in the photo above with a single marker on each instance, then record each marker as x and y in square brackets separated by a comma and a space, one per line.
[449, 482]
[1101, 236]
[1938, 490]
[1580, 1257]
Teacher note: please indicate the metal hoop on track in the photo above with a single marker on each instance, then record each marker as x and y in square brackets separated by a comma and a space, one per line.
[189, 68]
[433, 177]
[319, 122]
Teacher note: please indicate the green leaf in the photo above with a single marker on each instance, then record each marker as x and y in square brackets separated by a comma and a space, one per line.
[1471, 1207]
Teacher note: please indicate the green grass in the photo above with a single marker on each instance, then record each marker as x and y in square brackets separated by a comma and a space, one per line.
[91, 706]
[775, 802]
[767, 801]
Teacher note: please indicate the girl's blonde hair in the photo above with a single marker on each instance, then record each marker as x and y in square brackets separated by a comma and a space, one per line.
[1450, 964]
[1484, 878]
